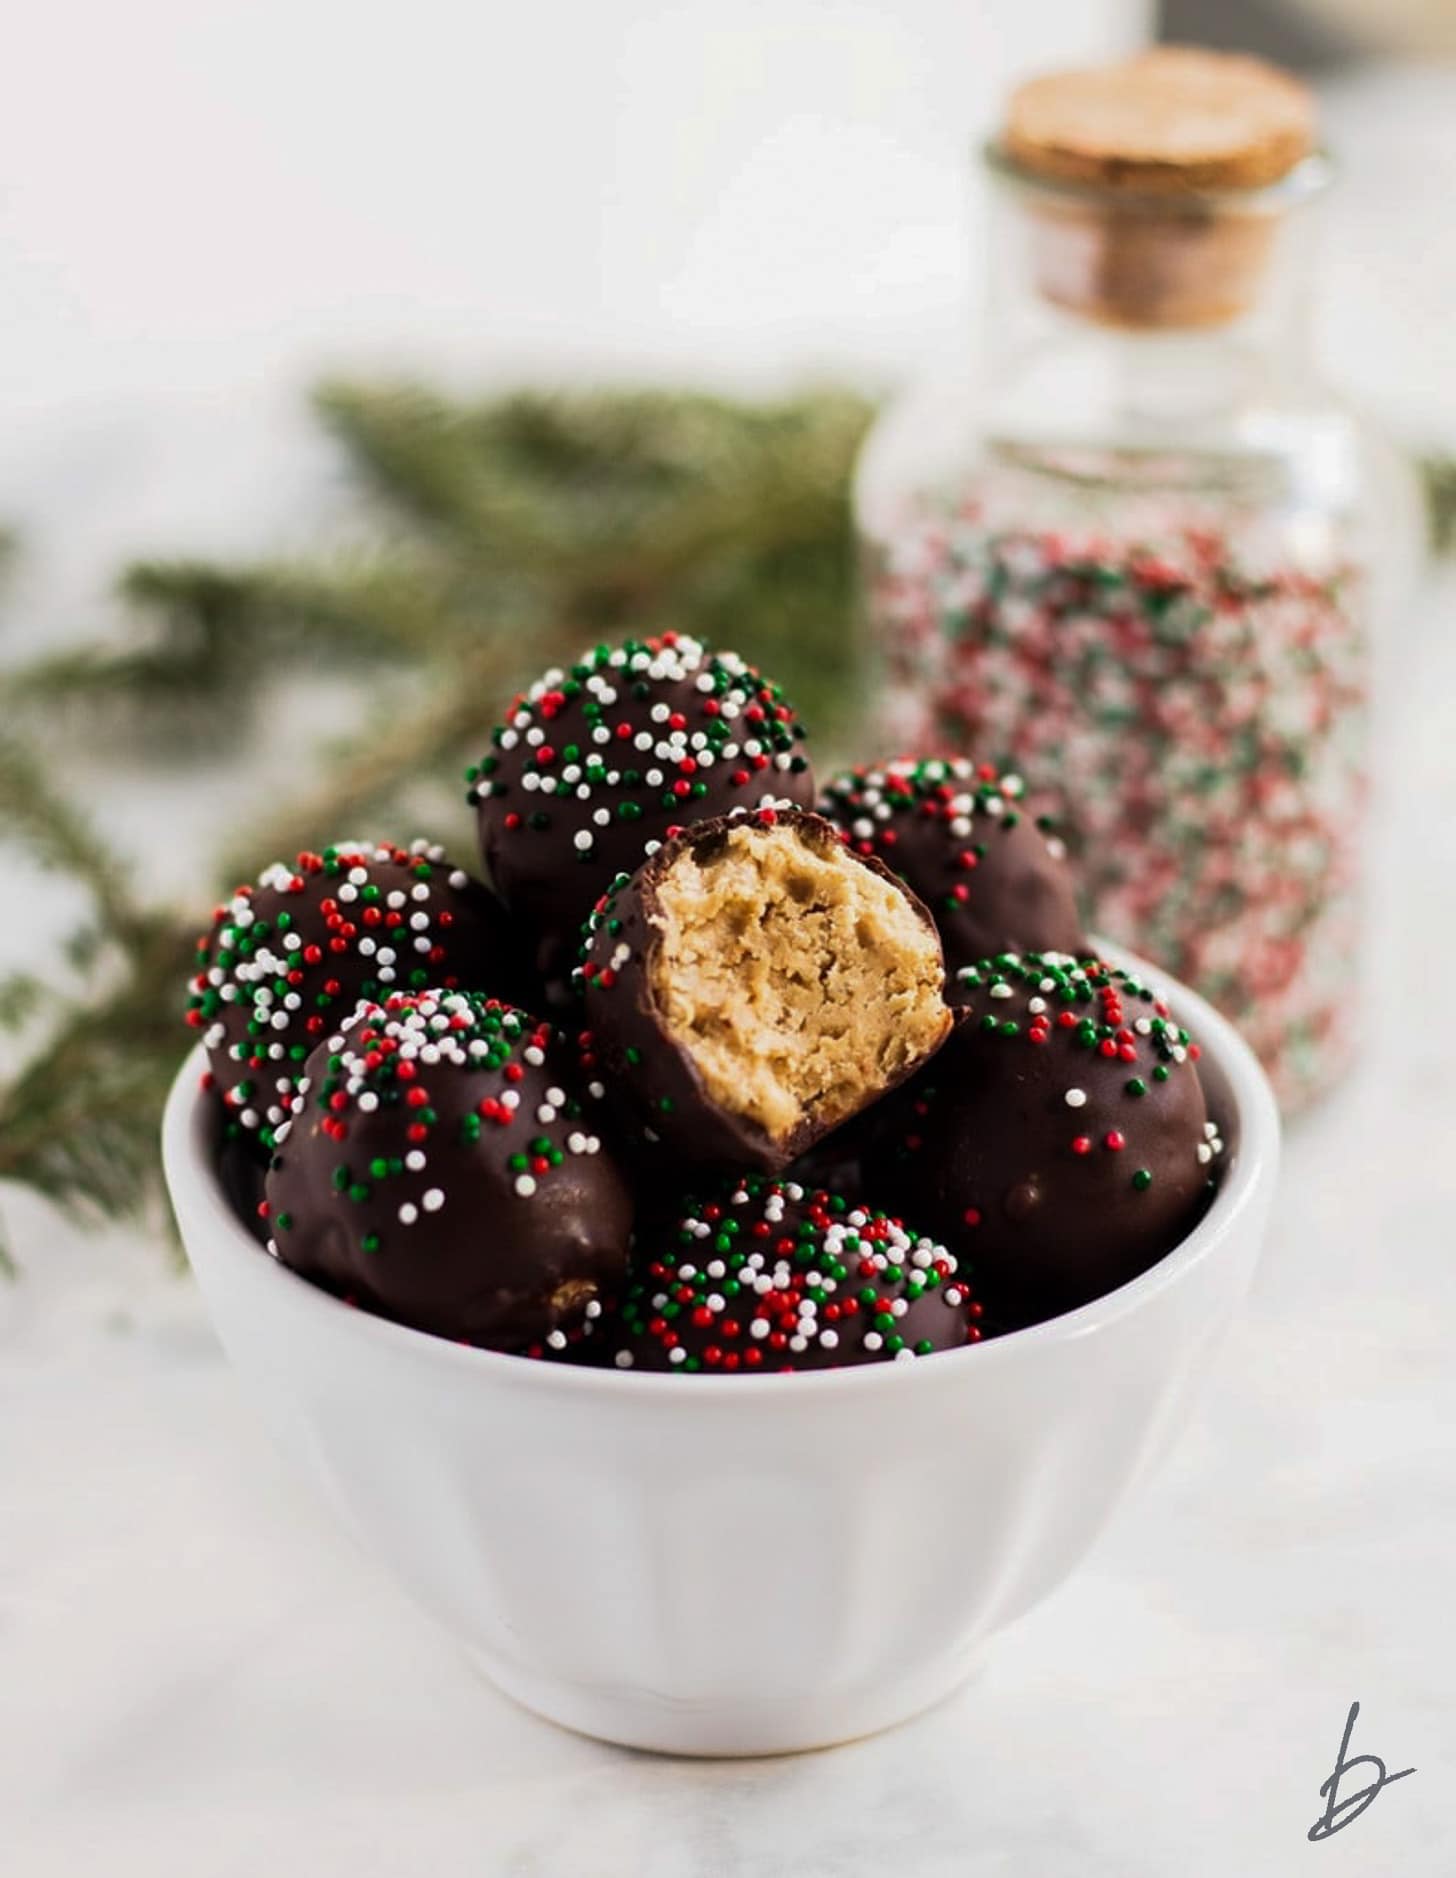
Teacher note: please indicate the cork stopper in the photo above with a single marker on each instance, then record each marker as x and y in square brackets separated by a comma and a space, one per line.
[1157, 171]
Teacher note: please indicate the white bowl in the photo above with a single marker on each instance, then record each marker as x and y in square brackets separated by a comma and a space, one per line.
[735, 1564]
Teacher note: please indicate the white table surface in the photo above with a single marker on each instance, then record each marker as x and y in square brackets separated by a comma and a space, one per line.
[199, 1676]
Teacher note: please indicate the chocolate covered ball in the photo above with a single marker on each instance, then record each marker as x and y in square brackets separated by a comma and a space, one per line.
[1062, 1141]
[593, 763]
[755, 984]
[958, 834]
[443, 1167]
[242, 1169]
[768, 1275]
[287, 959]
[834, 1163]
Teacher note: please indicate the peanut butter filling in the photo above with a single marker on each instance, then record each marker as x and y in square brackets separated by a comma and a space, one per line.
[800, 983]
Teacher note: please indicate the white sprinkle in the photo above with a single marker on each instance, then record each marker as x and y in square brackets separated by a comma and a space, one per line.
[1076, 1098]
[408, 1214]
[433, 1200]
[525, 1186]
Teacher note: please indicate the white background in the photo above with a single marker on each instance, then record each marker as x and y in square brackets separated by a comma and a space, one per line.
[200, 204]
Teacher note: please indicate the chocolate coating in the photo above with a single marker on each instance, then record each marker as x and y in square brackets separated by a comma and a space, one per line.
[593, 763]
[287, 959]
[1061, 1140]
[768, 1275]
[673, 1104]
[242, 1168]
[957, 834]
[834, 1164]
[442, 1167]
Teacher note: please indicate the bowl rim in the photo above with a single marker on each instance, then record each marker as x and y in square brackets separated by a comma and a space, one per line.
[196, 1192]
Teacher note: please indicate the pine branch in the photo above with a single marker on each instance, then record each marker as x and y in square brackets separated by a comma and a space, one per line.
[22, 995]
[514, 533]
[60, 839]
[436, 739]
[78, 1124]
[210, 640]
[1439, 476]
[636, 512]
[584, 487]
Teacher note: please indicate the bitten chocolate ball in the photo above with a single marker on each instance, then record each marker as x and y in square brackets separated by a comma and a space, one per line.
[442, 1167]
[1063, 1142]
[957, 833]
[287, 959]
[593, 763]
[768, 1275]
[755, 983]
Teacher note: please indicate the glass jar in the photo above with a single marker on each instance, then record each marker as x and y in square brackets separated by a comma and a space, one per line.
[1134, 559]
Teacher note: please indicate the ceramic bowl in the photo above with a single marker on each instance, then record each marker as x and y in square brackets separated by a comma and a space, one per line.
[735, 1564]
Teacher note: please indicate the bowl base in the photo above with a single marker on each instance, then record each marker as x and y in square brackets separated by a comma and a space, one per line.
[727, 1730]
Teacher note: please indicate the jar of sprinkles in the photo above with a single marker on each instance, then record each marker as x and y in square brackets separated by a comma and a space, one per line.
[1133, 557]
